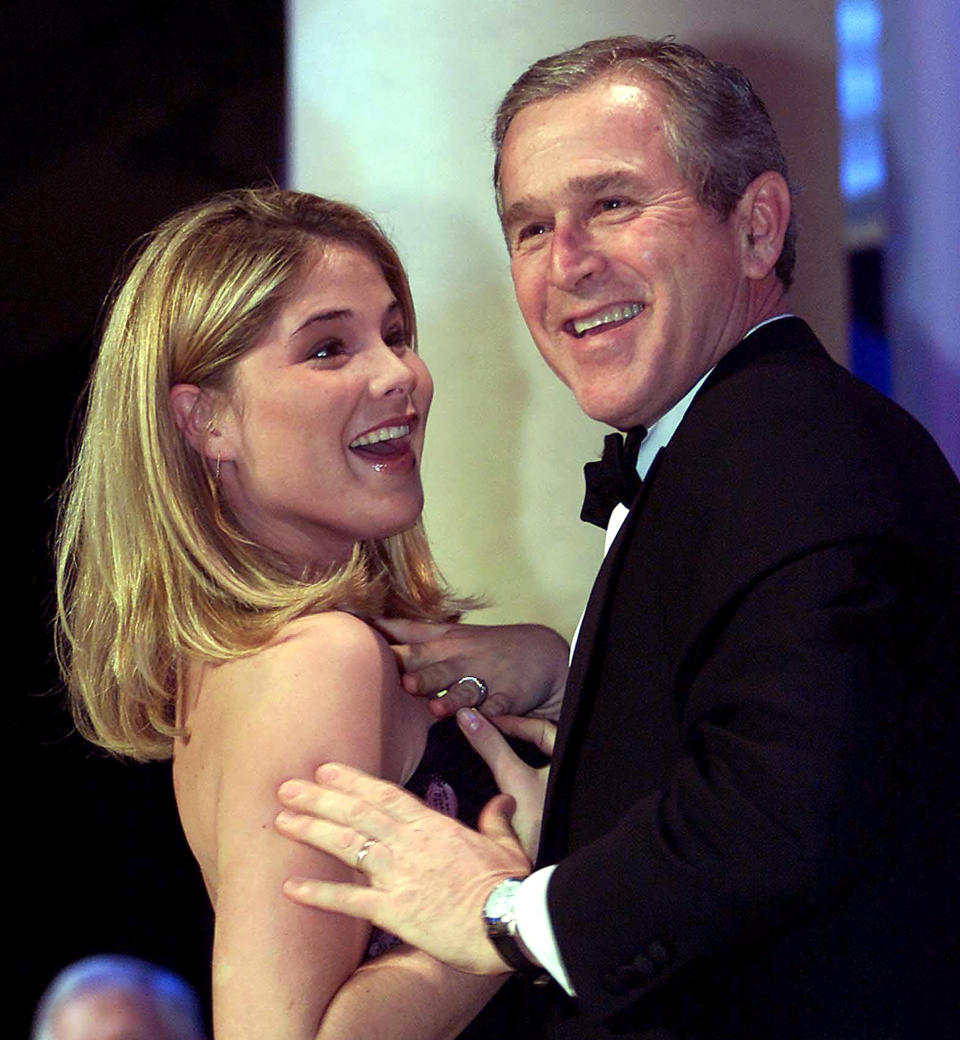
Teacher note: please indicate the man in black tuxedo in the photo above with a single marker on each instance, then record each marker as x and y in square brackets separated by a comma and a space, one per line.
[752, 824]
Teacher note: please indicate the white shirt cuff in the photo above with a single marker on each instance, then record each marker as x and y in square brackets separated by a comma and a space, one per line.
[533, 924]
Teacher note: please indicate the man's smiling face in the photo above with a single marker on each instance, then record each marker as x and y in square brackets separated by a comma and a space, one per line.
[630, 288]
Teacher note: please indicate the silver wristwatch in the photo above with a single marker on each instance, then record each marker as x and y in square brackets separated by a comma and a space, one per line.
[500, 919]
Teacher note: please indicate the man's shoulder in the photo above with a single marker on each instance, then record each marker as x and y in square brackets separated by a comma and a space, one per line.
[779, 403]
[785, 450]
[783, 369]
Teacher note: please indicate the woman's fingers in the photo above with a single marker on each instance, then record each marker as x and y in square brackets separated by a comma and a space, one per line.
[537, 731]
[401, 630]
[423, 654]
[429, 669]
[491, 745]
[487, 739]
[513, 776]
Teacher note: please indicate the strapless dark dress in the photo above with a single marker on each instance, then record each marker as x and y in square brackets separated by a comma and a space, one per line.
[453, 779]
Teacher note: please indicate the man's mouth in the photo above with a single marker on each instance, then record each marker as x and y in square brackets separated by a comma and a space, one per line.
[385, 441]
[604, 319]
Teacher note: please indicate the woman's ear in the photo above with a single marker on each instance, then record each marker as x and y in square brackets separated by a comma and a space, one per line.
[194, 412]
[764, 213]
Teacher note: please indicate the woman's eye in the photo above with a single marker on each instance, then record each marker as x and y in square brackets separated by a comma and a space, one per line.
[397, 337]
[329, 348]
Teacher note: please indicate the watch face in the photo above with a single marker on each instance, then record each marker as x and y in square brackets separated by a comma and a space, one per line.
[500, 901]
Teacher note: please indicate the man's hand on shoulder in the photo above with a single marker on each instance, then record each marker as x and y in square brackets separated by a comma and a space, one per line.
[428, 875]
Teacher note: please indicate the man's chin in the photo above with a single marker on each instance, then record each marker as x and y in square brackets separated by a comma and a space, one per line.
[622, 416]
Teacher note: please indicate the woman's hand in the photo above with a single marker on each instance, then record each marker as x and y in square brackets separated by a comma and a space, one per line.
[527, 785]
[524, 667]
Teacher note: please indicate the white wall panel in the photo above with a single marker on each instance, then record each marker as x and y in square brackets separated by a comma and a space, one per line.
[390, 107]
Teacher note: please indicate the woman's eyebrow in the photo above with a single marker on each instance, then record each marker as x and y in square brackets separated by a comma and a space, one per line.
[342, 312]
[332, 315]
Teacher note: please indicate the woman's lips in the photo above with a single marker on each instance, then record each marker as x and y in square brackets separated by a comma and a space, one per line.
[382, 435]
[386, 447]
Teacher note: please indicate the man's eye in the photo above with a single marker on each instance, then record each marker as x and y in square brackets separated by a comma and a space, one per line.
[611, 204]
[531, 231]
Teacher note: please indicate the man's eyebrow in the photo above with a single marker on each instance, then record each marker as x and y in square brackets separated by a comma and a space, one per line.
[596, 184]
[518, 212]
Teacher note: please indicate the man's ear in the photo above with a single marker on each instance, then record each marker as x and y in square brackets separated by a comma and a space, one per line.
[195, 412]
[764, 213]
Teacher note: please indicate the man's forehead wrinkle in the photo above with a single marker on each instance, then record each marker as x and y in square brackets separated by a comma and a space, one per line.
[608, 180]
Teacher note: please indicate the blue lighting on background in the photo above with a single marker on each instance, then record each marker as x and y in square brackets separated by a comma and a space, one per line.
[863, 173]
[863, 168]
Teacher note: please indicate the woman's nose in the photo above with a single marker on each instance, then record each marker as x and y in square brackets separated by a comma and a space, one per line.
[392, 374]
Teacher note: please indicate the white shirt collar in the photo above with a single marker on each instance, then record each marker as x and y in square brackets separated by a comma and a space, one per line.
[660, 432]
[659, 435]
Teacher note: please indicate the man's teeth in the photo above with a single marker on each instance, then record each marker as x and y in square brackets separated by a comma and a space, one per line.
[615, 314]
[385, 433]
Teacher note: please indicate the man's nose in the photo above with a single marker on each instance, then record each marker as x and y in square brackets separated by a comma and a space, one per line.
[574, 255]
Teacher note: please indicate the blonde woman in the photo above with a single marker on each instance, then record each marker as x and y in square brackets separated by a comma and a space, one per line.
[247, 489]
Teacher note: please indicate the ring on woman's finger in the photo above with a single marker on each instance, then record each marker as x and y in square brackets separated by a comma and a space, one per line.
[363, 850]
[482, 689]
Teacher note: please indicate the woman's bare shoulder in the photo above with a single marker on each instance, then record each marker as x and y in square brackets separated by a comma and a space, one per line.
[317, 649]
[332, 639]
[326, 686]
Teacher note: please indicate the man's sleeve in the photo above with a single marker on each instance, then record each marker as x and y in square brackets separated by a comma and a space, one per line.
[536, 931]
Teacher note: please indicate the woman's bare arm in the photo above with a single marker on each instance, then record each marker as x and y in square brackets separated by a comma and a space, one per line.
[406, 995]
[329, 688]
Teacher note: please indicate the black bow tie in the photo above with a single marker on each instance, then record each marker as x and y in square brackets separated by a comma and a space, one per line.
[613, 479]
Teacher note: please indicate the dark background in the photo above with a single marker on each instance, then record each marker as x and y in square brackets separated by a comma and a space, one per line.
[113, 116]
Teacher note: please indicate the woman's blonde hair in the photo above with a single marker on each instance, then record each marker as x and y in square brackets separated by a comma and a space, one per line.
[151, 569]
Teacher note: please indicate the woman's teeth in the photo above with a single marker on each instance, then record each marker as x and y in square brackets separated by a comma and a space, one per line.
[385, 433]
[631, 310]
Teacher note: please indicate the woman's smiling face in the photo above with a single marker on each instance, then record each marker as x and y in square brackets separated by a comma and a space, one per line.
[321, 437]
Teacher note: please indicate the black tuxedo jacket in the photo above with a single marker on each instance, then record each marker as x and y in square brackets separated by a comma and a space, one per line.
[754, 802]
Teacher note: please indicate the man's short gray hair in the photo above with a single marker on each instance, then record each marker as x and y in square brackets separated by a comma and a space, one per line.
[174, 1001]
[718, 130]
